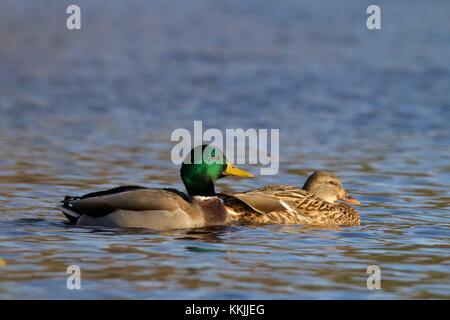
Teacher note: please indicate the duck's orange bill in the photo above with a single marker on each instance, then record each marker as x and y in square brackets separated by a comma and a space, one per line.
[350, 199]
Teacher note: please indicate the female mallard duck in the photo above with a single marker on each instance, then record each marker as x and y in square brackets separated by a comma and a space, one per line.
[280, 204]
[160, 209]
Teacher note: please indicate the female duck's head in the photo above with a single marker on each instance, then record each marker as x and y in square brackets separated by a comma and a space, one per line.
[328, 186]
[203, 166]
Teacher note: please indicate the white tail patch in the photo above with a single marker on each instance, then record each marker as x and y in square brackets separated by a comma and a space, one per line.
[69, 212]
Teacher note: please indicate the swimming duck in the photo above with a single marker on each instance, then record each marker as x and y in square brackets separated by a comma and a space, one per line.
[160, 209]
[315, 204]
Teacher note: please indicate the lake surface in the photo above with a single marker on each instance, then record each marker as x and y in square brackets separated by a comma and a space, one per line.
[92, 109]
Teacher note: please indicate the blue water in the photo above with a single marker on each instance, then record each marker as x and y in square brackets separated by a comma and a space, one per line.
[95, 108]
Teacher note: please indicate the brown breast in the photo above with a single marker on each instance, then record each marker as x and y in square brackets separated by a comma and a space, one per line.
[214, 212]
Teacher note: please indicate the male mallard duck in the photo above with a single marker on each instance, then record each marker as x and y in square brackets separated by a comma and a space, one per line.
[160, 209]
[280, 204]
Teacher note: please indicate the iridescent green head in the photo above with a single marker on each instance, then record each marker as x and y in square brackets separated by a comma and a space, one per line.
[203, 166]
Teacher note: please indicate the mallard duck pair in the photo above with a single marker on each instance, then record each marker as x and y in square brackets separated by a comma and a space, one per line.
[162, 209]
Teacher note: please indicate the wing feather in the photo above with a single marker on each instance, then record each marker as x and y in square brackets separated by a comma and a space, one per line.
[135, 199]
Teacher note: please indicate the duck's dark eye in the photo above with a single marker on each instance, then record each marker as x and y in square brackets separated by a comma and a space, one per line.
[332, 182]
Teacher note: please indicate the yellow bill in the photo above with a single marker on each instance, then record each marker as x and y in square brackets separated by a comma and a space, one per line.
[232, 170]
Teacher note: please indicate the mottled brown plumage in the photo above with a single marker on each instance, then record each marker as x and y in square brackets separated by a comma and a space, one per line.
[282, 204]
